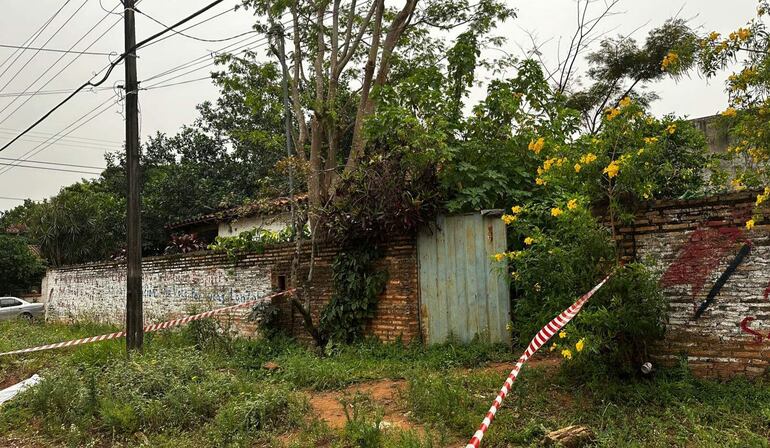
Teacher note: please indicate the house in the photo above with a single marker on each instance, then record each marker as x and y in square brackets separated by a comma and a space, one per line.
[273, 214]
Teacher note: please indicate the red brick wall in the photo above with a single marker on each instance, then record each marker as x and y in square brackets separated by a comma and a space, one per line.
[692, 243]
[397, 309]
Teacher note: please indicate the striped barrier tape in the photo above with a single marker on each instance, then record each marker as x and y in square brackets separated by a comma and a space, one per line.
[538, 341]
[147, 328]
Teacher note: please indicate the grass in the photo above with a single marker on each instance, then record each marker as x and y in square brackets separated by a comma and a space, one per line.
[195, 387]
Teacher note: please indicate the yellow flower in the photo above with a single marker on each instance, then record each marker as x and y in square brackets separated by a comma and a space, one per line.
[580, 344]
[612, 169]
[572, 204]
[536, 145]
[567, 353]
[515, 275]
[743, 33]
[562, 334]
[760, 199]
[556, 212]
[548, 163]
[588, 158]
[553, 346]
[529, 241]
[499, 257]
[671, 128]
[713, 36]
[540, 181]
[612, 113]
[650, 140]
[729, 112]
[640, 152]
[749, 224]
[578, 167]
[509, 219]
[738, 184]
[516, 209]
[625, 102]
[670, 58]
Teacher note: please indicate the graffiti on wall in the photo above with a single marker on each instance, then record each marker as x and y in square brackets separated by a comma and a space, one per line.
[697, 262]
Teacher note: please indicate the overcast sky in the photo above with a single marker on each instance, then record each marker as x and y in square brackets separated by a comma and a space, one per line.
[166, 109]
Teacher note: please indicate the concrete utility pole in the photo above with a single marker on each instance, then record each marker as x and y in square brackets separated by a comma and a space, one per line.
[134, 312]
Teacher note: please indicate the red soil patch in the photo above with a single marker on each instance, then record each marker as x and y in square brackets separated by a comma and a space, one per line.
[327, 406]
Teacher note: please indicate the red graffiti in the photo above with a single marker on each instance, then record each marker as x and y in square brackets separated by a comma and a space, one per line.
[767, 292]
[700, 257]
[758, 337]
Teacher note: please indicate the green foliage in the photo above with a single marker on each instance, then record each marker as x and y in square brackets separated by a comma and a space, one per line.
[20, 269]
[566, 256]
[387, 196]
[357, 286]
[82, 223]
[562, 256]
[617, 326]
[621, 68]
[254, 240]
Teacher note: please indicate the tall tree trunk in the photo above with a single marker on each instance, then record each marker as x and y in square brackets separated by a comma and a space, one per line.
[366, 105]
[299, 146]
[316, 178]
[357, 147]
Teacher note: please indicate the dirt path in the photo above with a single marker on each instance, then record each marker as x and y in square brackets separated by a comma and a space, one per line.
[385, 393]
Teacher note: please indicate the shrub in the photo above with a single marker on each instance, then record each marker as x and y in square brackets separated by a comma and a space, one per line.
[562, 255]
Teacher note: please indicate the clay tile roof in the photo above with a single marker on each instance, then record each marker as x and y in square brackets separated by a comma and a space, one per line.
[260, 207]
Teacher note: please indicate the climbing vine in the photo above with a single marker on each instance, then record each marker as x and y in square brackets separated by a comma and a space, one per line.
[357, 285]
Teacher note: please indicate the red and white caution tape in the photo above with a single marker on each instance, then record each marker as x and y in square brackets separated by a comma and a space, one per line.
[147, 328]
[538, 341]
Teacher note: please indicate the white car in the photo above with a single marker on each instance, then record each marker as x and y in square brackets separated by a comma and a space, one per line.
[12, 308]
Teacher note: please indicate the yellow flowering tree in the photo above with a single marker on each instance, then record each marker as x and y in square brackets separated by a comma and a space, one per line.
[747, 115]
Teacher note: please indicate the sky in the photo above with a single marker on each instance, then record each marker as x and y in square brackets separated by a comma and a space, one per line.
[92, 122]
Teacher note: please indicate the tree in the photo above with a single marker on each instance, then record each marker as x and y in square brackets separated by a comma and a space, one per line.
[20, 268]
[748, 109]
[342, 57]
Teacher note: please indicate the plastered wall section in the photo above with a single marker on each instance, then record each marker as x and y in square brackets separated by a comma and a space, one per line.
[693, 244]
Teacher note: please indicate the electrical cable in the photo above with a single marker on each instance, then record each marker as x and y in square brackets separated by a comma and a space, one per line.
[52, 140]
[55, 50]
[27, 89]
[229, 10]
[71, 165]
[109, 70]
[62, 170]
[75, 139]
[61, 27]
[225, 39]
[32, 38]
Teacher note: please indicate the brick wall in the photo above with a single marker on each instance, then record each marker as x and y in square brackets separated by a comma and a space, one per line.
[181, 284]
[692, 243]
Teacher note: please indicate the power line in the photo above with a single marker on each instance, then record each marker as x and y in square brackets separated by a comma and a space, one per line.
[52, 140]
[26, 90]
[44, 168]
[32, 38]
[71, 165]
[13, 199]
[18, 72]
[41, 134]
[229, 10]
[111, 67]
[55, 50]
[225, 39]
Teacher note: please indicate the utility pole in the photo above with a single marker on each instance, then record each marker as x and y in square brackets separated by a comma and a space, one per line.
[134, 312]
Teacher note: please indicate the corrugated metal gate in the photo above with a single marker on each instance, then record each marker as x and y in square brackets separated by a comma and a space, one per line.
[462, 291]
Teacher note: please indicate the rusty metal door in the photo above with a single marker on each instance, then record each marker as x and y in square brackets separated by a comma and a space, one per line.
[463, 292]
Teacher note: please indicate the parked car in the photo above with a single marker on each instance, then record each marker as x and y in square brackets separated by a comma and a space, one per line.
[12, 308]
